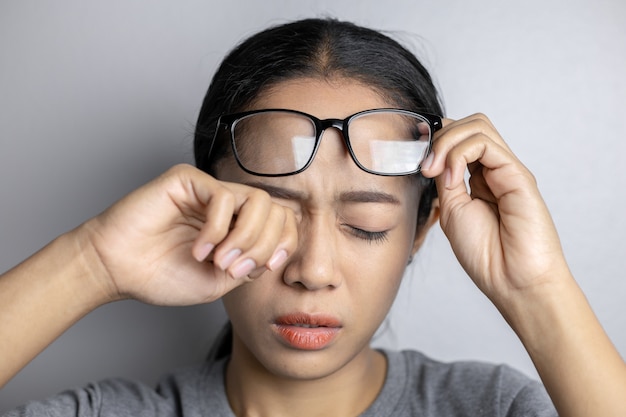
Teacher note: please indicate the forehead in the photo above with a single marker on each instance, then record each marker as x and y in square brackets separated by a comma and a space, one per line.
[323, 98]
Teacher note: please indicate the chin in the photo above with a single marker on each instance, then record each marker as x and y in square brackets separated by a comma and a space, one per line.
[304, 365]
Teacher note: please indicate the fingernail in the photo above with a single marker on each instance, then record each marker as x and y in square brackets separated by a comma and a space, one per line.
[204, 251]
[229, 258]
[277, 259]
[243, 268]
[428, 162]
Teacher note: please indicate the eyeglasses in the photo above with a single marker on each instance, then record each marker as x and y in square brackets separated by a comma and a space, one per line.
[280, 142]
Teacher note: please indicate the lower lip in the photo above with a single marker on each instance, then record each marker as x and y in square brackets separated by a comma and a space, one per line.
[305, 338]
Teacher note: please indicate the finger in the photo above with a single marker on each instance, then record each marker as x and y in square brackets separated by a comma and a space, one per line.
[451, 198]
[251, 217]
[288, 241]
[445, 122]
[283, 240]
[286, 246]
[477, 185]
[452, 134]
[197, 197]
[485, 158]
[264, 247]
[478, 148]
[255, 273]
[219, 213]
[477, 120]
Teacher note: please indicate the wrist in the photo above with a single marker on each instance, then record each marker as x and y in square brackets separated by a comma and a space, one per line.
[95, 279]
[543, 307]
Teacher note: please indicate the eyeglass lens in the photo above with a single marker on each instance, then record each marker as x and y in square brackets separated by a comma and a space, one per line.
[385, 142]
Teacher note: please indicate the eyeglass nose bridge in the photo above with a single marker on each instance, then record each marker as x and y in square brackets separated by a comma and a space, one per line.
[340, 125]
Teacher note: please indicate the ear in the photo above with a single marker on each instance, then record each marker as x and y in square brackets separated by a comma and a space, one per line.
[422, 229]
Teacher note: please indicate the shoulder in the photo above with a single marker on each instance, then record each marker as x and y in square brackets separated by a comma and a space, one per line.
[110, 397]
[459, 374]
[177, 394]
[430, 387]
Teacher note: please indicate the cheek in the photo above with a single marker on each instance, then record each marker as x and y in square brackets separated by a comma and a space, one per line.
[245, 303]
[378, 276]
[374, 277]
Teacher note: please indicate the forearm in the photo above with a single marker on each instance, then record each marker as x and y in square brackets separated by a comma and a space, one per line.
[42, 297]
[581, 369]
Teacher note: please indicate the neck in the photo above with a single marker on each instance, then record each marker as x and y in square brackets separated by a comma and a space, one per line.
[252, 390]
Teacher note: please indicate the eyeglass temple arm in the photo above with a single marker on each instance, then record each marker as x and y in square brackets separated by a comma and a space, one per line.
[434, 120]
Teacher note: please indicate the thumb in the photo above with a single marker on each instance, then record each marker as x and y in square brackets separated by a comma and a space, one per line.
[453, 195]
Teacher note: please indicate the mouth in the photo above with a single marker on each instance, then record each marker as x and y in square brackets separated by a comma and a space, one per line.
[305, 331]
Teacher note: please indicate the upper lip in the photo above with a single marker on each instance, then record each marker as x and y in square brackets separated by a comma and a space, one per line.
[305, 319]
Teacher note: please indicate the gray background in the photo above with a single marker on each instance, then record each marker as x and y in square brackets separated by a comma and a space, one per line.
[98, 97]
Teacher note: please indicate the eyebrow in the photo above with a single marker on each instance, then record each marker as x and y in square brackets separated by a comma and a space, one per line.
[361, 196]
[369, 197]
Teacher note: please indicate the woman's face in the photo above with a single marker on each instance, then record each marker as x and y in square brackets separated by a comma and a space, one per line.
[356, 233]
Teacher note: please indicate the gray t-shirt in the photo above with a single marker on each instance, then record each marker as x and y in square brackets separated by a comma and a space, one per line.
[415, 386]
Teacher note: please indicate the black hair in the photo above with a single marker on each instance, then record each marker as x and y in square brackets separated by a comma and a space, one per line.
[314, 48]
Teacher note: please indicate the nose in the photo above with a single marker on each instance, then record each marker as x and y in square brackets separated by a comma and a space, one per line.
[314, 266]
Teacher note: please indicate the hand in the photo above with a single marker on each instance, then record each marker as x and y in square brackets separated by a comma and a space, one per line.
[500, 231]
[187, 238]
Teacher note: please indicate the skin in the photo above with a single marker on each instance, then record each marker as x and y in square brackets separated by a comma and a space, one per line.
[168, 243]
[503, 236]
[335, 270]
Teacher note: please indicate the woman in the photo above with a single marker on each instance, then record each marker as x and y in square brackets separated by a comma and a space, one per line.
[317, 189]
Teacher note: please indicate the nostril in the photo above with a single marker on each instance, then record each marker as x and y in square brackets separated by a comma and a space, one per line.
[299, 285]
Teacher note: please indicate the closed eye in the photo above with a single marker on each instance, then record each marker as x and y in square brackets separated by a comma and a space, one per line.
[371, 237]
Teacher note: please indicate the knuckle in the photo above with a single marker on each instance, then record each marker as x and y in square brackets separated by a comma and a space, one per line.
[278, 212]
[177, 169]
[480, 118]
[246, 234]
[532, 179]
[184, 171]
[226, 196]
[217, 232]
[258, 195]
[221, 197]
[482, 122]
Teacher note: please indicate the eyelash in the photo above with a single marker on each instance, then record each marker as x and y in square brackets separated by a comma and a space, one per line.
[370, 237]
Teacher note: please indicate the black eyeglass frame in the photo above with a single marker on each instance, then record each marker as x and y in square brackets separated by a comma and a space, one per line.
[228, 121]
